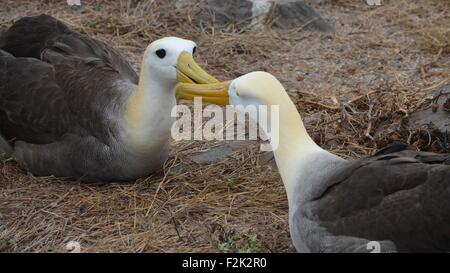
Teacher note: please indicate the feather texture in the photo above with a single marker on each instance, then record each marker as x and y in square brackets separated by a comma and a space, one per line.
[400, 199]
[62, 98]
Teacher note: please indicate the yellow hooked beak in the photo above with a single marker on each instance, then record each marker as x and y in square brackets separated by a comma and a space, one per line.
[215, 93]
[190, 72]
[195, 82]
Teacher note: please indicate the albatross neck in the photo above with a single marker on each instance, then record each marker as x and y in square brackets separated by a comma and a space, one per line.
[297, 151]
[148, 111]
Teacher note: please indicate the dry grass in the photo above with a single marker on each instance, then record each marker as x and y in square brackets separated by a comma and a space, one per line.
[377, 68]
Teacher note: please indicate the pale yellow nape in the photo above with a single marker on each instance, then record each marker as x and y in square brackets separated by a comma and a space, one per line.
[267, 90]
[143, 130]
[134, 112]
[294, 144]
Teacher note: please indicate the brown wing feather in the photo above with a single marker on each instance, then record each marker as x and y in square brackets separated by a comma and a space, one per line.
[403, 197]
[65, 86]
[30, 101]
[31, 36]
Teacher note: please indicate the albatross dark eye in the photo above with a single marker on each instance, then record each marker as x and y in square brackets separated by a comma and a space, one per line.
[161, 53]
[194, 50]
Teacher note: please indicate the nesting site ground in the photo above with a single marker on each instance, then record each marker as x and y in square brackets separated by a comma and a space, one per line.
[382, 64]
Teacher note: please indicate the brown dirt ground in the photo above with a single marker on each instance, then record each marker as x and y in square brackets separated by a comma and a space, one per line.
[380, 65]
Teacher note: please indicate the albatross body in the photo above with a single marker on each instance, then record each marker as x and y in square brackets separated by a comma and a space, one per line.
[399, 197]
[72, 106]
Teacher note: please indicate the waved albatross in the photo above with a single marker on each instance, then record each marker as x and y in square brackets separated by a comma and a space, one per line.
[399, 197]
[73, 106]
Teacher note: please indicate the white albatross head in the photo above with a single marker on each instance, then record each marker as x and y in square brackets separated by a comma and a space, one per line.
[165, 63]
[170, 60]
